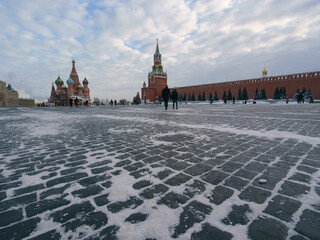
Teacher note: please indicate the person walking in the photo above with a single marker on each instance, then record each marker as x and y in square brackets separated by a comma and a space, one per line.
[174, 96]
[76, 102]
[166, 96]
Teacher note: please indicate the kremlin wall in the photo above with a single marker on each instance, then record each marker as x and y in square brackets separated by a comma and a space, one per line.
[157, 80]
[308, 80]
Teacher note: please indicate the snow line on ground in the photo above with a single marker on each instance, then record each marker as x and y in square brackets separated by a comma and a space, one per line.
[223, 128]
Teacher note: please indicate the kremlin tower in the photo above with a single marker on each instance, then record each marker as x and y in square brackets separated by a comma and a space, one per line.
[62, 95]
[157, 80]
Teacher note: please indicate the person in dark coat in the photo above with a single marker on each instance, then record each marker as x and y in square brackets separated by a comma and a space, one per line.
[174, 96]
[71, 102]
[166, 96]
[76, 102]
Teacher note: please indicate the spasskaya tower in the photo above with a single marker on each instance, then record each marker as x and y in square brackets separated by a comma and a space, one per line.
[157, 80]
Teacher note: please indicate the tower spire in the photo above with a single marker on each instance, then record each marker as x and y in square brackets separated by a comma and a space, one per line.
[157, 49]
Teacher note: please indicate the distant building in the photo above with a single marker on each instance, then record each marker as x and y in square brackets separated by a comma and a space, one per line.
[10, 97]
[157, 80]
[61, 95]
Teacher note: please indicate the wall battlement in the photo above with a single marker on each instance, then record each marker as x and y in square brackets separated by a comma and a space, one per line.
[291, 82]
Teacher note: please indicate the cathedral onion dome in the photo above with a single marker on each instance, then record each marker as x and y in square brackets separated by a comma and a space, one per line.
[70, 81]
[64, 87]
[264, 71]
[80, 87]
[59, 81]
[85, 81]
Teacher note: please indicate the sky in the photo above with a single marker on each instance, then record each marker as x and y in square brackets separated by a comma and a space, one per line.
[113, 42]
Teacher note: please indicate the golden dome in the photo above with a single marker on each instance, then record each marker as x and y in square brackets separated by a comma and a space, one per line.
[264, 71]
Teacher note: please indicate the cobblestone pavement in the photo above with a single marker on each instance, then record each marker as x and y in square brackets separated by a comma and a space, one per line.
[202, 172]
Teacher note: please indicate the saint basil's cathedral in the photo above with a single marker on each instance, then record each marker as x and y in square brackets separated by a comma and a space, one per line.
[61, 95]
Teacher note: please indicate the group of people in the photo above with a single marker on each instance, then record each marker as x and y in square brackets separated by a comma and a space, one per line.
[173, 96]
[76, 102]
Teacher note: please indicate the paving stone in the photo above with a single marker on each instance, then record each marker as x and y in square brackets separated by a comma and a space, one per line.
[122, 163]
[246, 174]
[140, 173]
[282, 207]
[93, 180]
[6, 186]
[253, 194]
[293, 189]
[194, 212]
[45, 205]
[132, 203]
[214, 177]
[70, 170]
[269, 185]
[230, 166]
[28, 189]
[256, 166]
[76, 163]
[165, 173]
[267, 228]
[220, 194]
[66, 179]
[153, 159]
[3, 195]
[236, 182]
[94, 220]
[52, 235]
[298, 237]
[54, 191]
[238, 215]
[102, 200]
[20, 230]
[178, 179]
[265, 158]
[21, 200]
[300, 177]
[137, 217]
[134, 166]
[173, 200]
[194, 188]
[88, 191]
[109, 233]
[154, 191]
[214, 162]
[311, 163]
[309, 224]
[105, 169]
[100, 163]
[307, 169]
[276, 172]
[198, 169]
[142, 184]
[71, 212]
[50, 175]
[10, 216]
[209, 232]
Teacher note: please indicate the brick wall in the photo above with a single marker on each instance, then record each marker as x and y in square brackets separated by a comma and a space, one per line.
[292, 82]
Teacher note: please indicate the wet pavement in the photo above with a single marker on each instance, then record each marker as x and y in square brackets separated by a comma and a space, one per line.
[139, 172]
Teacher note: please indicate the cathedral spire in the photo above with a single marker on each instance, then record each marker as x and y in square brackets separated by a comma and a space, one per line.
[73, 67]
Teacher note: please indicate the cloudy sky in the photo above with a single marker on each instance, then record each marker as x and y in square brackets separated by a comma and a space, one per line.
[113, 41]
